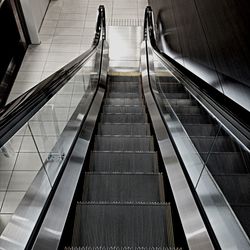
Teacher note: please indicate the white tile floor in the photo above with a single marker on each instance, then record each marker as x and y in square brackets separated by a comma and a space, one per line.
[66, 32]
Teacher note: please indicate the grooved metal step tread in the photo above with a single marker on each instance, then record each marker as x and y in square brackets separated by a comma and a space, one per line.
[123, 224]
[123, 109]
[227, 162]
[123, 129]
[123, 101]
[124, 143]
[123, 187]
[124, 118]
[124, 87]
[124, 161]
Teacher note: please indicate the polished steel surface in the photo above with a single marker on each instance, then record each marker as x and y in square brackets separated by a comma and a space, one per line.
[52, 227]
[194, 228]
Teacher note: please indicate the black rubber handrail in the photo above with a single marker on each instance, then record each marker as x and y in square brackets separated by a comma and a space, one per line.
[15, 114]
[233, 113]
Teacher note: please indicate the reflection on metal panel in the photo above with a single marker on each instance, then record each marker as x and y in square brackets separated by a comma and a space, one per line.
[194, 228]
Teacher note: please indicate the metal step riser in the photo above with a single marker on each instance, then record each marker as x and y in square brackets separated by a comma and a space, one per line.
[123, 129]
[106, 143]
[124, 88]
[123, 188]
[123, 162]
[124, 118]
[123, 95]
[123, 109]
[123, 225]
[123, 101]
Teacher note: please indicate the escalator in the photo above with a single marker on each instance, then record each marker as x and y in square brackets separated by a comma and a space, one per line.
[123, 201]
[116, 177]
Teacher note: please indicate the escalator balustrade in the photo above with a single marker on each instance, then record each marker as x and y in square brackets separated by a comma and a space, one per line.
[228, 162]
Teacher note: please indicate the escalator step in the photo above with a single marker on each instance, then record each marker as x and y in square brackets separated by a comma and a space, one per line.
[123, 101]
[123, 143]
[107, 187]
[167, 79]
[124, 78]
[172, 88]
[122, 95]
[123, 109]
[121, 248]
[124, 87]
[123, 129]
[176, 95]
[194, 110]
[226, 163]
[123, 225]
[196, 119]
[220, 144]
[184, 102]
[236, 188]
[124, 162]
[202, 129]
[124, 118]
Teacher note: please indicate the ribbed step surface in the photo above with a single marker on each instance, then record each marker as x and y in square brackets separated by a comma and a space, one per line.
[124, 118]
[123, 129]
[123, 101]
[123, 109]
[124, 87]
[123, 143]
[123, 225]
[123, 187]
[123, 95]
[145, 162]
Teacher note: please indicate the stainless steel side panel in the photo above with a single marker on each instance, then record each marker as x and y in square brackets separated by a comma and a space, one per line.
[50, 233]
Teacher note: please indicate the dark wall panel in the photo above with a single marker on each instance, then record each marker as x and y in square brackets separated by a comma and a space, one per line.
[226, 28]
[211, 38]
